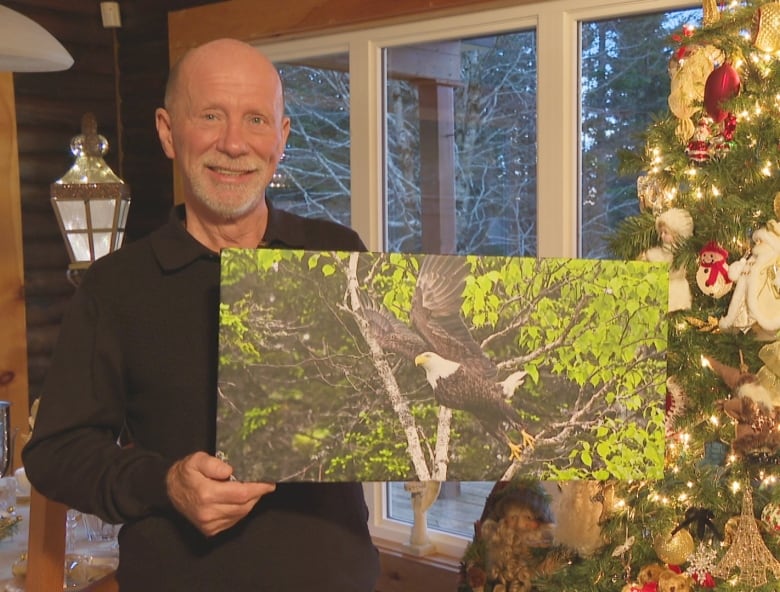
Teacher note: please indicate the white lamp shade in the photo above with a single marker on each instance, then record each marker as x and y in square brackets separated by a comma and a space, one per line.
[25, 46]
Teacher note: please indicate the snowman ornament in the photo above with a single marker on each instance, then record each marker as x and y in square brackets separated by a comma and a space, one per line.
[712, 276]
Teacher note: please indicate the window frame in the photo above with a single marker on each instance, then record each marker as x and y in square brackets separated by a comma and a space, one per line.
[557, 25]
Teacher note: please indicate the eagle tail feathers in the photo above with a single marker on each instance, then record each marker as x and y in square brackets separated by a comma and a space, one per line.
[510, 383]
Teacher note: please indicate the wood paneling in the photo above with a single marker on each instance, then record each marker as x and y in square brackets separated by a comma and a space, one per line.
[13, 345]
[49, 107]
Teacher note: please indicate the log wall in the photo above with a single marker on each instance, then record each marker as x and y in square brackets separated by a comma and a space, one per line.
[130, 63]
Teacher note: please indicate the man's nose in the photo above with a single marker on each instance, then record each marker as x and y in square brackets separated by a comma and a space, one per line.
[232, 141]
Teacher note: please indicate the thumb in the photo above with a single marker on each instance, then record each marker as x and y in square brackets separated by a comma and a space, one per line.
[213, 467]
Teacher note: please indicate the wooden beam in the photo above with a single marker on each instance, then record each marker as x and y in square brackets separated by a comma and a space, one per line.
[13, 330]
[438, 61]
[250, 21]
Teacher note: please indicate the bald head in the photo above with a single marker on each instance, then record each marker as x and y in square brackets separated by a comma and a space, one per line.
[220, 55]
[224, 127]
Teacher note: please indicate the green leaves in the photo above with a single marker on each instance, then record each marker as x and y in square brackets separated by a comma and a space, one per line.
[589, 334]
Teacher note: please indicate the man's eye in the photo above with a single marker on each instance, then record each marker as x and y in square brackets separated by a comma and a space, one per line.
[256, 120]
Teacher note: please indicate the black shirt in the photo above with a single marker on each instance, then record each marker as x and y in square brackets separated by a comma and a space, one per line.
[137, 356]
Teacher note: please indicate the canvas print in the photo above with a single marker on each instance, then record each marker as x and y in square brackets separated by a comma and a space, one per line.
[340, 366]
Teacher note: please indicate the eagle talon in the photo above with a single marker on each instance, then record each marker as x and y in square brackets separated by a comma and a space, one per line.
[516, 450]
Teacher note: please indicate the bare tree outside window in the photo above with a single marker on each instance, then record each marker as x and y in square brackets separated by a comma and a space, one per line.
[313, 178]
[492, 120]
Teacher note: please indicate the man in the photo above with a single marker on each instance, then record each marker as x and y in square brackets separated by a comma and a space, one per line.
[137, 361]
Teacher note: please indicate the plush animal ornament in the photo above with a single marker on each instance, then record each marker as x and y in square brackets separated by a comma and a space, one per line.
[658, 578]
[754, 408]
[670, 581]
[647, 579]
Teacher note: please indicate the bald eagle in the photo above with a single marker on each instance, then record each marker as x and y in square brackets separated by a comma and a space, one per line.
[461, 375]
[457, 387]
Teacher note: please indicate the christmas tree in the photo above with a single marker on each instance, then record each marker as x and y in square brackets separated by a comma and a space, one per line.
[709, 195]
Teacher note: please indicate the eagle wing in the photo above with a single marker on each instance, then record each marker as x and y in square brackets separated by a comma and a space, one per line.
[391, 334]
[435, 313]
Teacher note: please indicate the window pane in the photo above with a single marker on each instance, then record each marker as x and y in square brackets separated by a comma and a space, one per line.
[313, 177]
[461, 146]
[625, 81]
[456, 509]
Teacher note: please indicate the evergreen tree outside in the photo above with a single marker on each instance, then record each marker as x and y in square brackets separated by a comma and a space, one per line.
[623, 66]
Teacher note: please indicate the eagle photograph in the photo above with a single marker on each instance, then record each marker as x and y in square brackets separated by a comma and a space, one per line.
[342, 366]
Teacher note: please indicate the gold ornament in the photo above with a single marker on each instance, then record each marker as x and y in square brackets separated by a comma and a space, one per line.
[747, 552]
[730, 530]
[769, 374]
[674, 549]
[711, 14]
[765, 31]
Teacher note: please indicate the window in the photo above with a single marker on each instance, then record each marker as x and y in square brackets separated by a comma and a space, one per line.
[461, 146]
[558, 88]
[313, 177]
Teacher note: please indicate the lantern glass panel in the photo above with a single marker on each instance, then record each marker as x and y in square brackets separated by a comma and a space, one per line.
[124, 208]
[73, 213]
[102, 241]
[79, 244]
[118, 238]
[102, 211]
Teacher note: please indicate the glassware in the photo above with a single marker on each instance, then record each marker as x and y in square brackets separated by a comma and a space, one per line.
[99, 530]
[8, 487]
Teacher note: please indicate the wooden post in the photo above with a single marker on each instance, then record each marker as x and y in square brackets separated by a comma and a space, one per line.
[437, 167]
[13, 329]
[45, 545]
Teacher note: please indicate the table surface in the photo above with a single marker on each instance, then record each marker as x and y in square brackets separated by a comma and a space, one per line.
[89, 560]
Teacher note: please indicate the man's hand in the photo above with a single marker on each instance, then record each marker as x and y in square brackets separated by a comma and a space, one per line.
[200, 489]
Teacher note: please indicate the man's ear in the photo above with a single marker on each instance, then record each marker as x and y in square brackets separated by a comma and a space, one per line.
[162, 120]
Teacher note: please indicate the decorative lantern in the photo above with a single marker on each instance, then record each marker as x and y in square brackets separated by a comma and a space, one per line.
[90, 201]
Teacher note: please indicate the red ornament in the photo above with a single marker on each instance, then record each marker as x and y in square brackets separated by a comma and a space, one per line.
[707, 581]
[722, 84]
[698, 148]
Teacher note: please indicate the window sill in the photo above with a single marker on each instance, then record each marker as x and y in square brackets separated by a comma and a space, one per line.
[402, 571]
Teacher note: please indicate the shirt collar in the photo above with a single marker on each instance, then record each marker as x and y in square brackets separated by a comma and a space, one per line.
[176, 248]
[283, 230]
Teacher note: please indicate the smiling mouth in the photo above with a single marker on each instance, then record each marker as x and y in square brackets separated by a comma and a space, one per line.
[230, 172]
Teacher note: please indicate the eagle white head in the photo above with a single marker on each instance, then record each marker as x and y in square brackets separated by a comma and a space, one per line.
[435, 367]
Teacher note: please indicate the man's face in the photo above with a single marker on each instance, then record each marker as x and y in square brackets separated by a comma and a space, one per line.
[227, 131]
[520, 519]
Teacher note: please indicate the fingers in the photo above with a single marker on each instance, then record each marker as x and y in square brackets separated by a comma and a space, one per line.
[199, 489]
